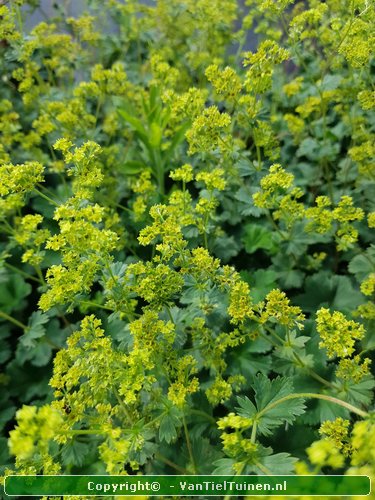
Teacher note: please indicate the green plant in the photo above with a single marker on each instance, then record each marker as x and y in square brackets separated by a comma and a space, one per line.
[186, 243]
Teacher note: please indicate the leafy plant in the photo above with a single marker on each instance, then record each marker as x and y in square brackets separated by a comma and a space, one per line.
[187, 267]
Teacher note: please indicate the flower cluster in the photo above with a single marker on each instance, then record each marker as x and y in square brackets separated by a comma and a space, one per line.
[207, 130]
[16, 182]
[179, 211]
[30, 440]
[261, 66]
[338, 334]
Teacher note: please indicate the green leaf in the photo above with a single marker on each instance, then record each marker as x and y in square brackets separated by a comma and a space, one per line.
[140, 130]
[326, 290]
[225, 247]
[261, 282]
[74, 453]
[268, 463]
[280, 463]
[13, 293]
[205, 455]
[169, 425]
[36, 329]
[4, 454]
[133, 167]
[245, 360]
[330, 82]
[40, 355]
[6, 415]
[223, 467]
[268, 392]
[246, 205]
[309, 148]
[32, 382]
[258, 237]
[362, 265]
[32, 344]
[288, 277]
[170, 420]
[177, 139]
[247, 408]
[133, 121]
[155, 135]
[320, 411]
[360, 394]
[5, 350]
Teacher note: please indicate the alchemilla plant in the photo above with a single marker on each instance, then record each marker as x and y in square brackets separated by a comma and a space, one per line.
[187, 263]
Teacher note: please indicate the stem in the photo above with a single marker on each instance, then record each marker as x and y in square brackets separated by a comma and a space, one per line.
[51, 343]
[271, 332]
[94, 304]
[98, 106]
[86, 431]
[159, 171]
[203, 414]
[259, 159]
[13, 320]
[40, 274]
[108, 266]
[46, 197]
[183, 196]
[254, 432]
[169, 314]
[166, 460]
[313, 373]
[188, 444]
[23, 273]
[19, 19]
[205, 240]
[122, 404]
[65, 321]
[238, 473]
[310, 371]
[311, 395]
[274, 225]
[264, 469]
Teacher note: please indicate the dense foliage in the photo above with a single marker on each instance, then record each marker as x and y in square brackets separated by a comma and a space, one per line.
[187, 274]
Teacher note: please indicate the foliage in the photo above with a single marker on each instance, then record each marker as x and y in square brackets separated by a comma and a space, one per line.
[186, 269]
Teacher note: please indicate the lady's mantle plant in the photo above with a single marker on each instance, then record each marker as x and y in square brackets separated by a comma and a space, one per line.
[187, 267]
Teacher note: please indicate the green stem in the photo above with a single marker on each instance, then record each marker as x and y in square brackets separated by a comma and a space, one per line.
[188, 444]
[204, 414]
[310, 371]
[254, 432]
[51, 343]
[259, 159]
[95, 304]
[166, 460]
[205, 240]
[159, 171]
[46, 197]
[274, 335]
[19, 271]
[311, 395]
[86, 431]
[313, 373]
[13, 320]
[264, 469]
[169, 314]
[238, 473]
[274, 225]
[122, 404]
[19, 19]
[40, 274]
[108, 267]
